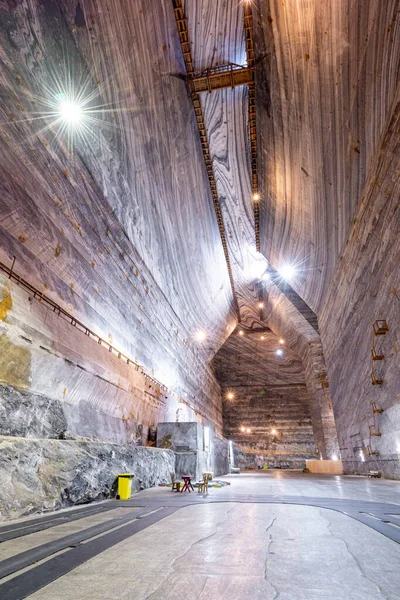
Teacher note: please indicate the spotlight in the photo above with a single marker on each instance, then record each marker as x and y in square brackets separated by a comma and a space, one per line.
[287, 272]
[279, 352]
[281, 341]
[243, 429]
[256, 196]
[241, 332]
[230, 396]
[261, 305]
[262, 337]
[334, 457]
[248, 430]
[200, 336]
[273, 431]
[70, 112]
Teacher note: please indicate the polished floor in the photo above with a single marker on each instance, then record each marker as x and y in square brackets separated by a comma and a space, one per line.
[232, 545]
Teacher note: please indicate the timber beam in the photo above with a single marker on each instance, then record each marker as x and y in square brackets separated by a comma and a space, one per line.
[183, 33]
[218, 78]
[248, 36]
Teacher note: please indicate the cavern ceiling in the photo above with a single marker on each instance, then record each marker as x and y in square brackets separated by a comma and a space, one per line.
[135, 190]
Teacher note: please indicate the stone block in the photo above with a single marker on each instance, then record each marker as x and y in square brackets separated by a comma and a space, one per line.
[43, 475]
[24, 414]
[334, 467]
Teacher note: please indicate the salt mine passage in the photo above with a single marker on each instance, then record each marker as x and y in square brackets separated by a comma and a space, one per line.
[200, 299]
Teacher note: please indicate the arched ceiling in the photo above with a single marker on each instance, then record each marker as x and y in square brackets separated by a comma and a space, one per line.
[325, 74]
[325, 77]
[325, 86]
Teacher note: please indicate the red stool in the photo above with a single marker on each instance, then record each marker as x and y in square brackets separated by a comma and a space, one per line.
[187, 484]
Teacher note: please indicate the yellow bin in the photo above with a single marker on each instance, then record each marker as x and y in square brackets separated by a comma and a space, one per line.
[124, 486]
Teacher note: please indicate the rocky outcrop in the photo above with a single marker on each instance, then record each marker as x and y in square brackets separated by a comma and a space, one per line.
[24, 414]
[41, 475]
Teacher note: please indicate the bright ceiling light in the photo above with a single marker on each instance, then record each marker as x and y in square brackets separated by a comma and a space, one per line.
[287, 271]
[248, 430]
[256, 196]
[243, 429]
[281, 341]
[262, 337]
[200, 336]
[273, 431]
[230, 396]
[279, 352]
[70, 112]
[241, 332]
[261, 305]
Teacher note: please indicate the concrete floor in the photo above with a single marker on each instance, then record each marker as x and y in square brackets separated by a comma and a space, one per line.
[296, 483]
[231, 550]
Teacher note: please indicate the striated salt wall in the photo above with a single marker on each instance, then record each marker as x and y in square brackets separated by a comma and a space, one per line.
[366, 288]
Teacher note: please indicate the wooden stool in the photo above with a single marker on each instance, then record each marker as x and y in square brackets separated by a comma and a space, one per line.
[202, 486]
[176, 485]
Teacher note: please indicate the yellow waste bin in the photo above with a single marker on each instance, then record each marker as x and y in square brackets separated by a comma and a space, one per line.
[124, 486]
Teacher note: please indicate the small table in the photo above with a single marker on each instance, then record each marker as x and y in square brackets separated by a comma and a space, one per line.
[187, 483]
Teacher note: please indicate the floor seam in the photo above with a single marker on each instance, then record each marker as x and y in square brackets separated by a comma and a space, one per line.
[172, 567]
[359, 566]
[267, 530]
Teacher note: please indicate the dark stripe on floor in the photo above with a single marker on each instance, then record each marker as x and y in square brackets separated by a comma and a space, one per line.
[27, 583]
[28, 527]
[387, 526]
[25, 559]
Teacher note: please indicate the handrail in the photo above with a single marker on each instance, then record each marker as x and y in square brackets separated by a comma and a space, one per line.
[61, 312]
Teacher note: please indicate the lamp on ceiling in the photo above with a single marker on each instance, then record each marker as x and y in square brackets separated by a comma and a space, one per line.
[200, 335]
[287, 271]
[70, 112]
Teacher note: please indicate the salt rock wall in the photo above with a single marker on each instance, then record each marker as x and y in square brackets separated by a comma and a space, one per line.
[269, 393]
[42, 475]
[279, 422]
[54, 378]
[327, 75]
[195, 452]
[366, 288]
[122, 232]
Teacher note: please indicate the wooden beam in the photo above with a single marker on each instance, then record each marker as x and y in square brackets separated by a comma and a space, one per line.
[224, 76]
[248, 34]
[198, 109]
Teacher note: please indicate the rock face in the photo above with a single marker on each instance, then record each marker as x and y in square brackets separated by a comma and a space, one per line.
[270, 398]
[366, 288]
[42, 475]
[110, 235]
[196, 448]
[279, 422]
[24, 414]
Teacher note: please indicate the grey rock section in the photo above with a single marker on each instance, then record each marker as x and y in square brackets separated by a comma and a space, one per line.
[24, 414]
[180, 437]
[42, 475]
[220, 457]
[257, 460]
[192, 454]
[283, 410]
[322, 417]
[366, 288]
